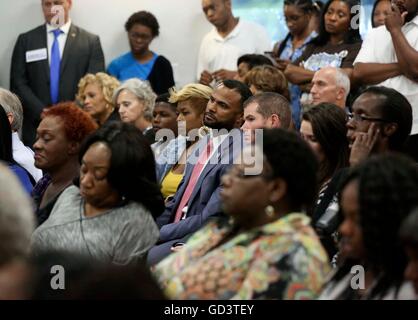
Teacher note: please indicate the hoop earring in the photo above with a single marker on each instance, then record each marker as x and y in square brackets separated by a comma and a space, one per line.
[269, 211]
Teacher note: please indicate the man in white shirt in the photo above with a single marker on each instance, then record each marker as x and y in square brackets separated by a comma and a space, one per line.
[389, 56]
[21, 154]
[230, 38]
[49, 61]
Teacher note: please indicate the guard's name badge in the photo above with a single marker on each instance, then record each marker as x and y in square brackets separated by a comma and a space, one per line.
[36, 55]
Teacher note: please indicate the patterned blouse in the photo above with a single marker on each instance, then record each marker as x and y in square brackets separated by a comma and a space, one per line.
[280, 260]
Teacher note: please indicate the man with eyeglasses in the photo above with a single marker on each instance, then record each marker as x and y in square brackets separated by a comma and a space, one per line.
[389, 57]
[380, 122]
[49, 61]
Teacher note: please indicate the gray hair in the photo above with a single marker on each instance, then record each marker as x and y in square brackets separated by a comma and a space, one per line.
[11, 104]
[342, 81]
[142, 90]
[16, 218]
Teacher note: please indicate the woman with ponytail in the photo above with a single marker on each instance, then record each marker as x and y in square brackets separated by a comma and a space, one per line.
[110, 216]
[298, 14]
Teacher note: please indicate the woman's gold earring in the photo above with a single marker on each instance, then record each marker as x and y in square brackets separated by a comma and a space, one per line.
[269, 210]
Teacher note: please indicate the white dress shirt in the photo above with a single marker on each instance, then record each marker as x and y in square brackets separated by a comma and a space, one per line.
[24, 156]
[62, 38]
[378, 48]
[217, 52]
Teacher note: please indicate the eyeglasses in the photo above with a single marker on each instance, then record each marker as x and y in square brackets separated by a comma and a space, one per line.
[360, 118]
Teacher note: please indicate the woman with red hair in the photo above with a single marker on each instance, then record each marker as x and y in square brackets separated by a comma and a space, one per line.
[62, 129]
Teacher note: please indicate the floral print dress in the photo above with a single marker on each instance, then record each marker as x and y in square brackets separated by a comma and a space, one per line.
[280, 260]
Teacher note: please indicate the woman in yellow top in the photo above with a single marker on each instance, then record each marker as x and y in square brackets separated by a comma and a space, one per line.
[191, 105]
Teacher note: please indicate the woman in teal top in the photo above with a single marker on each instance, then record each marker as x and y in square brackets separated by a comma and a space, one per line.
[142, 27]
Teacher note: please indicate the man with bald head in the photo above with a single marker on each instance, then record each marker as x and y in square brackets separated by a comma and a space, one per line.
[330, 85]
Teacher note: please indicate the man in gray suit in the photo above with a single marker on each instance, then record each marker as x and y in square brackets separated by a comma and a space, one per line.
[49, 61]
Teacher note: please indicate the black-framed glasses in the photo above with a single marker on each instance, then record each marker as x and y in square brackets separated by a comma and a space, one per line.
[360, 118]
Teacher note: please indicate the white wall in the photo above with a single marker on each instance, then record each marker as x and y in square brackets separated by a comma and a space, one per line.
[182, 26]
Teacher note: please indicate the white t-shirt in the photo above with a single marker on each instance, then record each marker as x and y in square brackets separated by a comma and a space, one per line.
[217, 52]
[378, 48]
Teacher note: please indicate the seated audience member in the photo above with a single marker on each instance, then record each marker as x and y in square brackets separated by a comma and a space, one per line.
[336, 45]
[265, 111]
[164, 116]
[191, 102]
[330, 85]
[249, 61]
[142, 63]
[324, 128]
[135, 101]
[409, 238]
[375, 198]
[6, 153]
[95, 93]
[197, 198]
[16, 226]
[298, 15]
[380, 11]
[109, 217]
[380, 122]
[230, 38]
[62, 129]
[388, 57]
[23, 155]
[85, 280]
[267, 249]
[267, 79]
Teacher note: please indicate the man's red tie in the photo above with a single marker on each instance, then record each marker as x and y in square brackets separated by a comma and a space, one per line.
[197, 170]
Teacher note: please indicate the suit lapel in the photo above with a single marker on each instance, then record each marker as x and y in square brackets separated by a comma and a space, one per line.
[69, 46]
[221, 150]
[43, 43]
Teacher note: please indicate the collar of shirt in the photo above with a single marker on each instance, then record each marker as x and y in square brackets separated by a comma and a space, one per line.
[65, 28]
[147, 129]
[16, 142]
[415, 20]
[231, 35]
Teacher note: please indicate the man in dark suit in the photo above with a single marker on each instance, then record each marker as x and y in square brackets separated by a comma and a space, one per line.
[48, 63]
[197, 198]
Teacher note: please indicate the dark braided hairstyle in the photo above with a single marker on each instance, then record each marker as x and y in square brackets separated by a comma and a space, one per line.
[306, 6]
[132, 165]
[387, 191]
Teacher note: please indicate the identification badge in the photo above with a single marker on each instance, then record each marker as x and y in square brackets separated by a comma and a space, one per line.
[36, 55]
